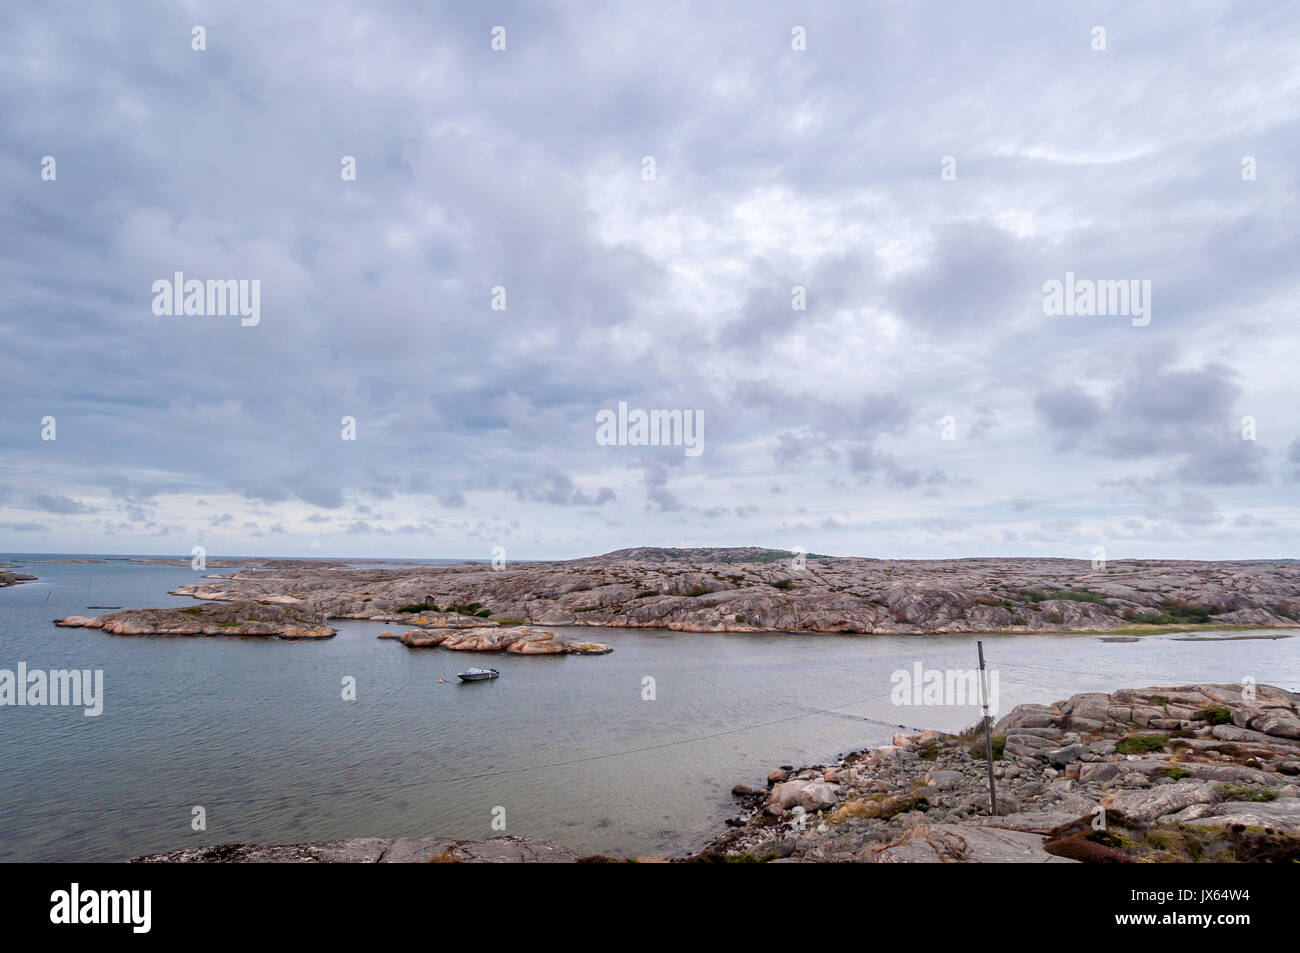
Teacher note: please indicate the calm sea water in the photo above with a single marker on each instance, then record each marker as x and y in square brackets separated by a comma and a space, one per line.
[258, 734]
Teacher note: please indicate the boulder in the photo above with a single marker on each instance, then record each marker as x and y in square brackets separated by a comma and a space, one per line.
[944, 780]
[890, 753]
[1060, 757]
[1037, 822]
[1029, 746]
[1282, 815]
[1146, 806]
[421, 639]
[818, 796]
[787, 794]
[964, 844]
[1277, 722]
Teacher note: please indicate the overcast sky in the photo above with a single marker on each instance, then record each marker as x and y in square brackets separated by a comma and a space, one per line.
[524, 169]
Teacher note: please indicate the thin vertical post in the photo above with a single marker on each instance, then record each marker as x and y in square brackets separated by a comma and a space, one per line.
[988, 733]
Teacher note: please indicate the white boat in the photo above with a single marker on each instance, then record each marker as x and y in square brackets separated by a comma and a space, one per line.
[478, 674]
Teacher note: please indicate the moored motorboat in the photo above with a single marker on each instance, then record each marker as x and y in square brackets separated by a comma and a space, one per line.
[478, 674]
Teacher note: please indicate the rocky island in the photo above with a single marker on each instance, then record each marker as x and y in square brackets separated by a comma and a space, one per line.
[13, 578]
[515, 641]
[751, 589]
[233, 618]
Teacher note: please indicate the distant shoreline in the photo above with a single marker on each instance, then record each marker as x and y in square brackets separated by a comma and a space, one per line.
[770, 591]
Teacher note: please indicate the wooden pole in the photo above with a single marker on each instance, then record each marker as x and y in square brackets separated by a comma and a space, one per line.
[988, 733]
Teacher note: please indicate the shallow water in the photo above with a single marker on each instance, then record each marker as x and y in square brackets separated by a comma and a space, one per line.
[256, 731]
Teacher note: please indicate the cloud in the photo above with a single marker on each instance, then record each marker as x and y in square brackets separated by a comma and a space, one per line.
[1068, 410]
[774, 170]
[49, 503]
[964, 277]
[657, 493]
[557, 489]
[1185, 416]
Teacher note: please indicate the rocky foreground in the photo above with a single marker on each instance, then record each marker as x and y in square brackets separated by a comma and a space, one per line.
[753, 589]
[1196, 773]
[13, 578]
[232, 618]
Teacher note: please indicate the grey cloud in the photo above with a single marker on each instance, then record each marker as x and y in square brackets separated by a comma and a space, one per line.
[656, 489]
[774, 170]
[558, 489]
[1068, 409]
[969, 276]
[1183, 415]
[50, 503]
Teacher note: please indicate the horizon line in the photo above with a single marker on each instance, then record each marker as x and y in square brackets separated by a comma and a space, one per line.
[488, 559]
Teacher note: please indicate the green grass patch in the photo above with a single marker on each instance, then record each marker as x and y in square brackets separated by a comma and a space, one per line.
[1241, 792]
[1217, 716]
[1141, 744]
[1178, 612]
[979, 752]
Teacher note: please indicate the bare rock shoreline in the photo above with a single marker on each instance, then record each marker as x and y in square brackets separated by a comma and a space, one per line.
[1180, 774]
[754, 590]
